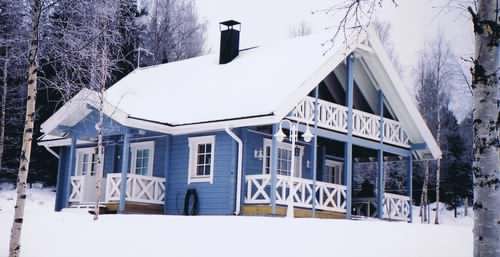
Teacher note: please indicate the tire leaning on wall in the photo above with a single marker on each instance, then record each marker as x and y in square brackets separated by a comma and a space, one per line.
[191, 204]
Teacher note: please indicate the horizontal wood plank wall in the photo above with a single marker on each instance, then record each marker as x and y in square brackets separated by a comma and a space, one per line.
[214, 199]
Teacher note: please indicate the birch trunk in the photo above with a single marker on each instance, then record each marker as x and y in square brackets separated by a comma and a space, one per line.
[466, 207]
[438, 164]
[100, 155]
[3, 106]
[24, 160]
[423, 197]
[485, 127]
[100, 132]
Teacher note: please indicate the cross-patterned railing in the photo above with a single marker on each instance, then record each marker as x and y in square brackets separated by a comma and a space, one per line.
[77, 186]
[333, 116]
[396, 207]
[145, 189]
[327, 196]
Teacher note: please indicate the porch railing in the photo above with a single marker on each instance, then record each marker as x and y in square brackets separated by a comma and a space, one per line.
[77, 186]
[145, 189]
[327, 196]
[334, 116]
[396, 207]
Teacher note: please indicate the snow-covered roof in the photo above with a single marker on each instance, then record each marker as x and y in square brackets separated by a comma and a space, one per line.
[257, 82]
[261, 86]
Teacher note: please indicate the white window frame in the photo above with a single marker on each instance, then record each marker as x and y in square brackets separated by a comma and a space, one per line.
[268, 143]
[332, 163]
[134, 147]
[193, 152]
[86, 150]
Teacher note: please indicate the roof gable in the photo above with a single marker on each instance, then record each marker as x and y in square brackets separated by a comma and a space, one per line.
[261, 86]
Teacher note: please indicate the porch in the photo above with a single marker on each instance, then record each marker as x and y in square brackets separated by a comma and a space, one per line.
[328, 200]
[144, 194]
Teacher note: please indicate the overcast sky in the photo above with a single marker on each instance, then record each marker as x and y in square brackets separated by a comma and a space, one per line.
[414, 22]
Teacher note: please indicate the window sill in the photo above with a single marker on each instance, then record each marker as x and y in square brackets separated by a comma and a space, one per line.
[200, 180]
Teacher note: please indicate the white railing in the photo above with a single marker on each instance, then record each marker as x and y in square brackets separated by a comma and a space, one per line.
[145, 189]
[396, 207]
[365, 125]
[77, 185]
[327, 196]
[333, 116]
[394, 134]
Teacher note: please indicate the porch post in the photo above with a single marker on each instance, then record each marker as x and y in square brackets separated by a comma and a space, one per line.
[274, 168]
[410, 185]
[123, 178]
[380, 158]
[167, 170]
[315, 151]
[60, 182]
[69, 172]
[348, 144]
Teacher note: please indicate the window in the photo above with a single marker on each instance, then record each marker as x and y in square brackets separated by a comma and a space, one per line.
[142, 158]
[86, 161]
[333, 172]
[201, 159]
[284, 158]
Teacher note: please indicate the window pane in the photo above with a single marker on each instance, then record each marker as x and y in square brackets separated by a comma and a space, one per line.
[207, 170]
[208, 148]
[199, 170]
[201, 159]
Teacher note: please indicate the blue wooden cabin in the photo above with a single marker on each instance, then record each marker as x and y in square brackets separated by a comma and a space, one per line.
[212, 135]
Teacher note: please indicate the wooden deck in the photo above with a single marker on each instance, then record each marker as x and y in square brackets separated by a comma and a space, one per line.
[266, 210]
[130, 207]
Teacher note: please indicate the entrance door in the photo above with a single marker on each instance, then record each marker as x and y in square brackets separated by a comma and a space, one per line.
[333, 172]
[86, 171]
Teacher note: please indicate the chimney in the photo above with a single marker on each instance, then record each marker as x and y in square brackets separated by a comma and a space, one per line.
[229, 40]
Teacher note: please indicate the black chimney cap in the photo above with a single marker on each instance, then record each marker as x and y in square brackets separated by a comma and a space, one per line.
[229, 24]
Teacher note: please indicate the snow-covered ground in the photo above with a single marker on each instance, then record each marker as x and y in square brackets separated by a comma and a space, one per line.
[75, 234]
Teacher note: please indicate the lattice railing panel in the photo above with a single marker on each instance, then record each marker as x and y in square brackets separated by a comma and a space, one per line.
[334, 117]
[396, 207]
[327, 196]
[146, 189]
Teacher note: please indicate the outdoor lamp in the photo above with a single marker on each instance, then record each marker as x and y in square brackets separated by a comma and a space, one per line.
[280, 136]
[307, 135]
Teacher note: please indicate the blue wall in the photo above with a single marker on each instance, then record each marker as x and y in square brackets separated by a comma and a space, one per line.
[214, 199]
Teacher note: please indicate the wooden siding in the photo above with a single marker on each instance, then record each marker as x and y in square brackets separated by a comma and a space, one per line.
[214, 199]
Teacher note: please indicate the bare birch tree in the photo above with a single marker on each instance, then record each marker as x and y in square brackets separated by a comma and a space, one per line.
[15, 244]
[486, 128]
[299, 30]
[174, 31]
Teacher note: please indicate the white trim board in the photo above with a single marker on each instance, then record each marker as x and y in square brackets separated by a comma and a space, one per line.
[193, 143]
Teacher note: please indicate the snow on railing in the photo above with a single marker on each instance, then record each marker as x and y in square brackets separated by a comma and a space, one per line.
[145, 189]
[77, 185]
[396, 207]
[327, 196]
[334, 116]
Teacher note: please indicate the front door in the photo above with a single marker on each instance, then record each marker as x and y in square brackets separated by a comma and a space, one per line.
[333, 172]
[85, 173]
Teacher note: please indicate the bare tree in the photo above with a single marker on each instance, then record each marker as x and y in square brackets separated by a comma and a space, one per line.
[486, 128]
[174, 31]
[15, 245]
[383, 30]
[299, 30]
[11, 49]
[437, 72]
